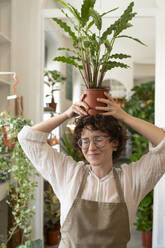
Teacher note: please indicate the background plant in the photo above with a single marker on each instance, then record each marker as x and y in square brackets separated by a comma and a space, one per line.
[15, 164]
[51, 209]
[51, 78]
[141, 105]
[66, 145]
[88, 43]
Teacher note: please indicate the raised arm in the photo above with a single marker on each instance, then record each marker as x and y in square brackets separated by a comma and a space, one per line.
[153, 133]
[48, 125]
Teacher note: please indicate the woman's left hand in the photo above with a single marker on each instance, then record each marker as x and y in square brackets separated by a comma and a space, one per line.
[112, 107]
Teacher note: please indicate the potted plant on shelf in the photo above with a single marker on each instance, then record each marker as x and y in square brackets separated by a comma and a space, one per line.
[21, 184]
[141, 105]
[51, 79]
[92, 52]
[51, 216]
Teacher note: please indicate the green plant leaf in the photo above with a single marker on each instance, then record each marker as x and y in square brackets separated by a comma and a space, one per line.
[135, 39]
[66, 28]
[85, 10]
[67, 60]
[97, 18]
[75, 13]
[105, 13]
[120, 56]
[112, 64]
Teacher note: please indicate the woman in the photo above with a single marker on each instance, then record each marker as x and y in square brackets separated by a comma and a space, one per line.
[98, 202]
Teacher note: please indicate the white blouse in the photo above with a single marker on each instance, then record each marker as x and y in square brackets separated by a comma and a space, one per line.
[64, 174]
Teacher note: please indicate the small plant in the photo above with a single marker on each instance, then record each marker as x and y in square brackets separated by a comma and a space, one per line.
[51, 209]
[92, 52]
[51, 78]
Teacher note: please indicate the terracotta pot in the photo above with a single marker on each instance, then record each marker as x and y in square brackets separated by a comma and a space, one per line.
[90, 97]
[53, 237]
[8, 142]
[147, 239]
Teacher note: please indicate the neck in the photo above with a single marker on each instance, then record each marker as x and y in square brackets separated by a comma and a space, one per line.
[99, 171]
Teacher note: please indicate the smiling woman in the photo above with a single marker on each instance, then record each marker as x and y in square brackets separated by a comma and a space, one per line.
[98, 201]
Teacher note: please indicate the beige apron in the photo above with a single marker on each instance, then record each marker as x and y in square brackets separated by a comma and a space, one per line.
[91, 224]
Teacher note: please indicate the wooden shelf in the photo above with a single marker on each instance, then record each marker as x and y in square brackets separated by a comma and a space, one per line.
[4, 39]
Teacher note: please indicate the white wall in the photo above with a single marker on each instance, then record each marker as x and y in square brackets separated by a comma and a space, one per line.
[27, 63]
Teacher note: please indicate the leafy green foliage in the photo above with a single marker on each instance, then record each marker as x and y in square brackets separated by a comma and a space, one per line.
[89, 43]
[14, 165]
[67, 146]
[32, 244]
[145, 214]
[51, 209]
[141, 105]
[51, 78]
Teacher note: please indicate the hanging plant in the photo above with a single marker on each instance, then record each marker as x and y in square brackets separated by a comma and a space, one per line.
[15, 166]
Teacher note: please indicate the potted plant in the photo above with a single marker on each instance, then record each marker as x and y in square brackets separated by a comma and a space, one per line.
[18, 169]
[67, 147]
[51, 78]
[51, 216]
[92, 52]
[141, 105]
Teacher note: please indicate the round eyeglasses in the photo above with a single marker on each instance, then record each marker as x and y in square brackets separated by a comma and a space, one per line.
[99, 142]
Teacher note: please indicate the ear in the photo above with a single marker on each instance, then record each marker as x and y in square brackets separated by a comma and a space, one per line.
[115, 144]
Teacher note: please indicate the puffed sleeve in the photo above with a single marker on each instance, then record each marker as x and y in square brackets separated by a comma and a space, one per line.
[55, 167]
[143, 175]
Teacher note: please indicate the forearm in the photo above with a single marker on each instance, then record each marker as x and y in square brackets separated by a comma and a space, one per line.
[48, 125]
[153, 133]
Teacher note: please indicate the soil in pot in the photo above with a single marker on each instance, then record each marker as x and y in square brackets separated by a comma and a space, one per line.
[90, 97]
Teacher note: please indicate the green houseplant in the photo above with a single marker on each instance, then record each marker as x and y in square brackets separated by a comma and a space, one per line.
[67, 147]
[141, 105]
[92, 52]
[15, 166]
[51, 78]
[51, 216]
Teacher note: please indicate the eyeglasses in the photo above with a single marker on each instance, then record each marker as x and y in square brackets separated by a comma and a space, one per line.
[99, 142]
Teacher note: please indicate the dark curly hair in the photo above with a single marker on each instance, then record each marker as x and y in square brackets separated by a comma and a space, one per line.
[107, 124]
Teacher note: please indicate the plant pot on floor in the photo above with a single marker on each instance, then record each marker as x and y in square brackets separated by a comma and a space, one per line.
[90, 97]
[53, 237]
[147, 239]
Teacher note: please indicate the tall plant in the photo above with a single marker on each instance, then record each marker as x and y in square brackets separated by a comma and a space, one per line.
[15, 165]
[141, 105]
[88, 43]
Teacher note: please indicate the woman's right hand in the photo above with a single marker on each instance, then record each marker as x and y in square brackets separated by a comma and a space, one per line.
[79, 108]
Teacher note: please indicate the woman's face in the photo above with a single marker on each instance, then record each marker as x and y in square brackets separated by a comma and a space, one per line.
[96, 147]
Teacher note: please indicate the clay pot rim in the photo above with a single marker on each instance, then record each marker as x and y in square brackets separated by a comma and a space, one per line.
[97, 89]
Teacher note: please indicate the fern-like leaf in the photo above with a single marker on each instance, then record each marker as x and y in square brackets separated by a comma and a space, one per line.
[135, 39]
[97, 18]
[85, 10]
[66, 28]
[107, 32]
[112, 64]
[75, 12]
[120, 56]
[68, 60]
[105, 13]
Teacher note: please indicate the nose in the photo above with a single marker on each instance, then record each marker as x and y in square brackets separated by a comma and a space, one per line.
[92, 145]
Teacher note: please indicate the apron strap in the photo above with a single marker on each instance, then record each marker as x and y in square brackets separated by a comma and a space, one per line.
[83, 182]
[118, 185]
